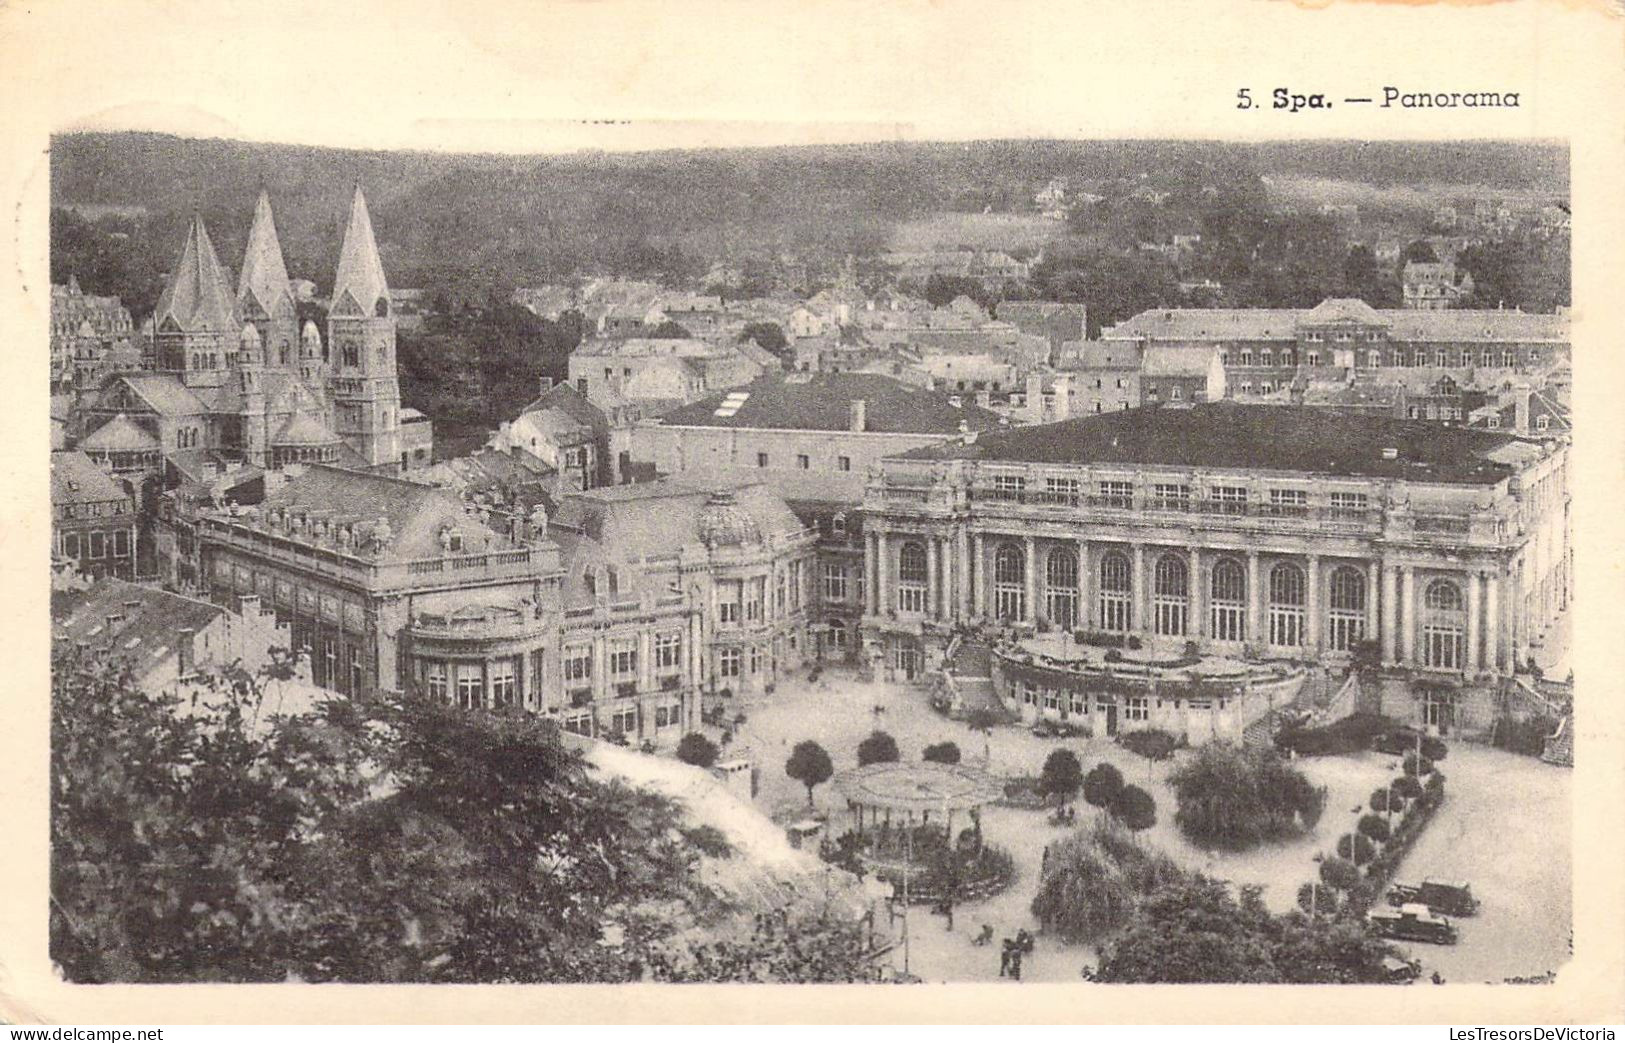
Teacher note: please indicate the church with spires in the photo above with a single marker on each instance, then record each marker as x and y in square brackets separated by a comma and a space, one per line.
[233, 379]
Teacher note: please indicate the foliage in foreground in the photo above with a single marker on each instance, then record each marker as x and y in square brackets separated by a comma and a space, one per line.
[1193, 930]
[400, 841]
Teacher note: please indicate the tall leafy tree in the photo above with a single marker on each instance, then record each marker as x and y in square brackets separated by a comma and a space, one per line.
[809, 764]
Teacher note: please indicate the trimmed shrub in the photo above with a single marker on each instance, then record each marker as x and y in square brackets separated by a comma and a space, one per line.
[1406, 786]
[697, 750]
[1413, 766]
[1101, 785]
[1339, 873]
[1433, 748]
[1349, 735]
[1356, 847]
[1134, 808]
[1236, 798]
[878, 748]
[1319, 898]
[1151, 743]
[942, 753]
[1379, 799]
[1375, 827]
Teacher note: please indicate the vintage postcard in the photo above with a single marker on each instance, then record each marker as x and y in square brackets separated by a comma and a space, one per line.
[688, 514]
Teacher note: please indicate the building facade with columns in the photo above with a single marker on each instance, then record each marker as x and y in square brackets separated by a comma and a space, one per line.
[1260, 532]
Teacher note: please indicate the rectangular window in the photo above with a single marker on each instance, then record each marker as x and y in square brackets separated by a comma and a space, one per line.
[121, 541]
[1079, 703]
[1348, 504]
[1052, 699]
[761, 459]
[803, 461]
[624, 722]
[1228, 499]
[728, 660]
[1314, 338]
[755, 660]
[581, 385]
[1292, 503]
[70, 545]
[1171, 497]
[843, 463]
[1061, 490]
[756, 595]
[470, 686]
[330, 661]
[1314, 358]
[504, 683]
[98, 545]
[1117, 494]
[623, 657]
[1008, 486]
[668, 651]
[730, 593]
[434, 680]
[1136, 708]
[578, 662]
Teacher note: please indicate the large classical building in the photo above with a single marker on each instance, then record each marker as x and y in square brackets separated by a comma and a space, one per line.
[233, 377]
[1264, 349]
[1222, 529]
[616, 618]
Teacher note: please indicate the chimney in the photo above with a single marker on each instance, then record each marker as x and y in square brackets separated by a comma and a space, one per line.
[248, 606]
[1520, 410]
[183, 650]
[860, 415]
[544, 384]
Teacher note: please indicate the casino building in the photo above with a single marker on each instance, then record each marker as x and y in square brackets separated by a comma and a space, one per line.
[1226, 530]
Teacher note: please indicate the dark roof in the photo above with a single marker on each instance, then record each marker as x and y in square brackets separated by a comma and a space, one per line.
[565, 397]
[1242, 437]
[824, 403]
[75, 478]
[664, 516]
[150, 622]
[415, 512]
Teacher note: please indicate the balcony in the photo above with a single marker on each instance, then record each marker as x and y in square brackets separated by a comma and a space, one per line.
[485, 623]
[355, 571]
[1247, 515]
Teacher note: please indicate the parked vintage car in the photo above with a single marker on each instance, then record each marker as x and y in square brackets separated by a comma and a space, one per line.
[1450, 897]
[1048, 728]
[1401, 972]
[1412, 923]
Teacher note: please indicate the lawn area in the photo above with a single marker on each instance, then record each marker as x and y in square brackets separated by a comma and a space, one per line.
[839, 711]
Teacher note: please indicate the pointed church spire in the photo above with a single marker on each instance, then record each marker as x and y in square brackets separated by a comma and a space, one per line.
[361, 273]
[264, 280]
[197, 296]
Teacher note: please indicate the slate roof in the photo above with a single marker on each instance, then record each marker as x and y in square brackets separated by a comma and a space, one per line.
[304, 429]
[265, 276]
[1448, 325]
[824, 403]
[198, 297]
[120, 435]
[148, 631]
[360, 272]
[164, 393]
[415, 512]
[1162, 360]
[1230, 436]
[663, 517]
[75, 478]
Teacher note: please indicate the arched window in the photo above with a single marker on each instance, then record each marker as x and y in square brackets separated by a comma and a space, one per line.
[1246, 357]
[1010, 582]
[1444, 623]
[1228, 597]
[1116, 591]
[382, 308]
[352, 355]
[912, 573]
[590, 578]
[1061, 587]
[1170, 595]
[1264, 357]
[614, 580]
[1288, 599]
[1346, 615]
[1373, 359]
[283, 351]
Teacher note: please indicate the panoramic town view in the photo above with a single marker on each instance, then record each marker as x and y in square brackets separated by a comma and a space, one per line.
[1005, 561]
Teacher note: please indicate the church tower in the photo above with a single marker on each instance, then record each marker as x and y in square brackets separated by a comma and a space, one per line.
[361, 337]
[195, 326]
[251, 418]
[264, 296]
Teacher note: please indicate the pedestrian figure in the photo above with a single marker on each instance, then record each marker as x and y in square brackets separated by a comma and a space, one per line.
[1015, 964]
[1004, 958]
[948, 911]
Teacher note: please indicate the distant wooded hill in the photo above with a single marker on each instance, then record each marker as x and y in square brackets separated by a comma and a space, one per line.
[509, 220]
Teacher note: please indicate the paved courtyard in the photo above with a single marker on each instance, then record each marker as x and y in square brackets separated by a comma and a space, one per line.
[839, 711]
